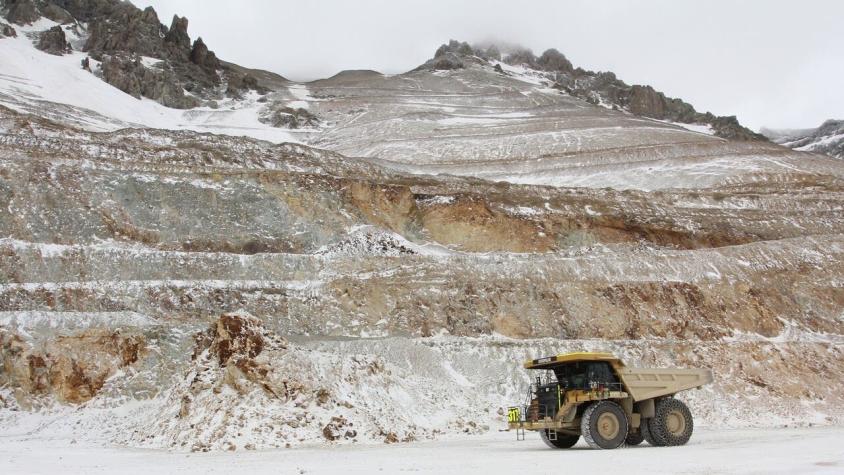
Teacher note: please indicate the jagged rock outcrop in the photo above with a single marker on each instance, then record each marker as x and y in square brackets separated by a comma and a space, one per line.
[201, 56]
[125, 29]
[22, 12]
[53, 41]
[131, 76]
[553, 60]
[456, 47]
[177, 38]
[119, 29]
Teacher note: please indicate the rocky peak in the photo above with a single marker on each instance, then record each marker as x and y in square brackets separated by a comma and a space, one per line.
[177, 36]
[201, 56]
[456, 47]
[553, 60]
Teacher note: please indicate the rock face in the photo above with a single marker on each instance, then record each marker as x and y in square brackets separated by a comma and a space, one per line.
[123, 29]
[71, 368]
[177, 38]
[21, 12]
[53, 41]
[200, 56]
[133, 77]
[553, 60]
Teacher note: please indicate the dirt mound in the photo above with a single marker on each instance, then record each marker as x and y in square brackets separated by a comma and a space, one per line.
[248, 387]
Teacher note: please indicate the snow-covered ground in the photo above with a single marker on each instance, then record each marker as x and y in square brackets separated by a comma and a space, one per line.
[812, 450]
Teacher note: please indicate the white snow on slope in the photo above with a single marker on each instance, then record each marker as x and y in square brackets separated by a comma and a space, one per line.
[29, 76]
[302, 95]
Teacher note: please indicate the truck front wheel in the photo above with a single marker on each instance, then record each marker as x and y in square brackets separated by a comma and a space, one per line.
[604, 425]
[561, 441]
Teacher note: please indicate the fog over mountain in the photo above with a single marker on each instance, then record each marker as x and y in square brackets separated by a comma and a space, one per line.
[719, 55]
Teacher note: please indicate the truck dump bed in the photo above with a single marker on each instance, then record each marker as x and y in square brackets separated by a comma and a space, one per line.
[646, 383]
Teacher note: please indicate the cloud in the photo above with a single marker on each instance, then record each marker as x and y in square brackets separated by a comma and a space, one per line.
[771, 62]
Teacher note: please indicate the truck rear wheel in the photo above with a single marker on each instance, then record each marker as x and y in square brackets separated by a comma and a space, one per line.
[564, 441]
[604, 425]
[672, 423]
[644, 429]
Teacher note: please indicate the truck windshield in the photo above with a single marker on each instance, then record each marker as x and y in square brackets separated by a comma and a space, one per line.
[585, 374]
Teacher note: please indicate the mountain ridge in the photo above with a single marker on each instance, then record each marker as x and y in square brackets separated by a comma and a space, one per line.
[827, 139]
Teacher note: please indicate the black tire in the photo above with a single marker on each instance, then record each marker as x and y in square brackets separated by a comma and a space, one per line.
[564, 441]
[604, 425]
[634, 438]
[672, 423]
[644, 429]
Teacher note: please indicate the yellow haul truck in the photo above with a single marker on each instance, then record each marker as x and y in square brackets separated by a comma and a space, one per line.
[596, 396]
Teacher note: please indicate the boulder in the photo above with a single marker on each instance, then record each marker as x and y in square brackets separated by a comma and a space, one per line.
[7, 31]
[53, 41]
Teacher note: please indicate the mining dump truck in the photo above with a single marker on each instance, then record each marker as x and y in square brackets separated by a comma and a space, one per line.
[595, 395]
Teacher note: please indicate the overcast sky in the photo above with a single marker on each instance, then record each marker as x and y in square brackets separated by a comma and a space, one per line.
[776, 63]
